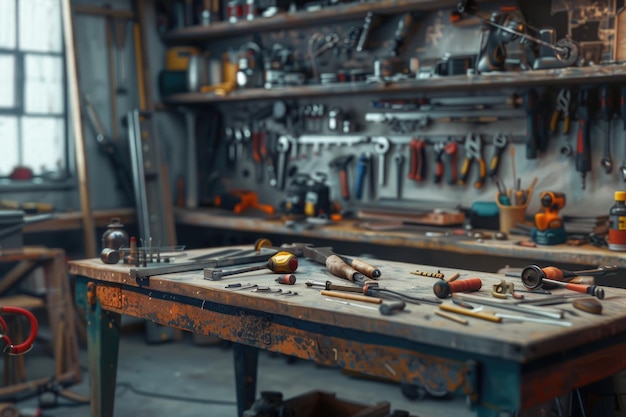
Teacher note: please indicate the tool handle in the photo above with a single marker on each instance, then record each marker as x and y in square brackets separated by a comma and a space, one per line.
[420, 153]
[343, 179]
[443, 289]
[463, 311]
[363, 267]
[567, 122]
[256, 150]
[334, 287]
[413, 160]
[482, 174]
[283, 262]
[554, 121]
[365, 32]
[387, 309]
[587, 289]
[451, 149]
[287, 279]
[494, 164]
[353, 297]
[438, 171]
[465, 171]
[339, 268]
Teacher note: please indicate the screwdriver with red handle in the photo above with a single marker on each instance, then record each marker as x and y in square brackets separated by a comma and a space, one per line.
[583, 147]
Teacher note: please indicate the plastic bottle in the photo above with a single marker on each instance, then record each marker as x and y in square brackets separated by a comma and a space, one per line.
[115, 236]
[617, 223]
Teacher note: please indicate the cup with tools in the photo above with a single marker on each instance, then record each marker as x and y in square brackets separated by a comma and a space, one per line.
[512, 205]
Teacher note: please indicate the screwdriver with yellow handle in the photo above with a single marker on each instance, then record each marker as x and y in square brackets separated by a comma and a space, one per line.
[282, 263]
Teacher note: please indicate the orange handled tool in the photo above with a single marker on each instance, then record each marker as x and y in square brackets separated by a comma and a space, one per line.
[443, 289]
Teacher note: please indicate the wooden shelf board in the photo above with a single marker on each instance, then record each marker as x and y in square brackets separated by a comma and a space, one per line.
[539, 78]
[342, 12]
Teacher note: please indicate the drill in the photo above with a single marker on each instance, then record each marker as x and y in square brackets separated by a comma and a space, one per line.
[549, 224]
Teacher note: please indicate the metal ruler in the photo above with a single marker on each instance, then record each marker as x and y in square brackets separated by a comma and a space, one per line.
[150, 181]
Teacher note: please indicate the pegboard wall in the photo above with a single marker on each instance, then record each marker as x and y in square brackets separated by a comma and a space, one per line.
[484, 113]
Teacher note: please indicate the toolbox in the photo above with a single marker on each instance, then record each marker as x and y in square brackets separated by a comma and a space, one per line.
[314, 404]
[11, 223]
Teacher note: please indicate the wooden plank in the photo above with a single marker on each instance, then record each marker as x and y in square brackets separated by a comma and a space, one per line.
[16, 274]
[21, 300]
[73, 220]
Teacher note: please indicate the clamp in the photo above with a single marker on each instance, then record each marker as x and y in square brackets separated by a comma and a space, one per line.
[473, 152]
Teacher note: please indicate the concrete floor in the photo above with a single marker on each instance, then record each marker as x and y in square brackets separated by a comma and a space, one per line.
[185, 379]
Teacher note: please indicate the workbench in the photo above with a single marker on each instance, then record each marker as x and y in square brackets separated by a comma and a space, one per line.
[500, 367]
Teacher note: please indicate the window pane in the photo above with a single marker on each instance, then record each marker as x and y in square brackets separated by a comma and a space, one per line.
[7, 80]
[40, 25]
[8, 139]
[43, 84]
[43, 143]
[7, 24]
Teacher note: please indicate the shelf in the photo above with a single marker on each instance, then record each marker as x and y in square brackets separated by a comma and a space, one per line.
[538, 78]
[300, 19]
[73, 221]
[349, 231]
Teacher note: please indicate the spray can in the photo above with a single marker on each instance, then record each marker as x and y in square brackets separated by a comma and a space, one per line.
[617, 223]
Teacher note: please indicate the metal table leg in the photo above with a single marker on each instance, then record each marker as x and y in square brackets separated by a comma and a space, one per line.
[246, 361]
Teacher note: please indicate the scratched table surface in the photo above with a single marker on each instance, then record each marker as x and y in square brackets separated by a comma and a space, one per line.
[510, 340]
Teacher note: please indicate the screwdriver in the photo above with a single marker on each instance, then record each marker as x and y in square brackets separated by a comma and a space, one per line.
[606, 110]
[282, 262]
[583, 147]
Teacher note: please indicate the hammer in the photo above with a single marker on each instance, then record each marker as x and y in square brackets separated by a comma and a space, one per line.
[341, 164]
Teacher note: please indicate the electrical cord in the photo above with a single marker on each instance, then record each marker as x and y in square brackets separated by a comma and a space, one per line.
[137, 391]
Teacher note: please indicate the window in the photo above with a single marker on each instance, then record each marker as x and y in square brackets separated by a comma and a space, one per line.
[33, 121]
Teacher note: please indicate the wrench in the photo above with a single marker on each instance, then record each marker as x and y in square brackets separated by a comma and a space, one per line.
[282, 147]
[381, 147]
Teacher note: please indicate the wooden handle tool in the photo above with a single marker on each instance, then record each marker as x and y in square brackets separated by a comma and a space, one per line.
[470, 313]
[353, 297]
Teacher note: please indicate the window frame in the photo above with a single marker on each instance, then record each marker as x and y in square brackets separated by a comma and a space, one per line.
[66, 176]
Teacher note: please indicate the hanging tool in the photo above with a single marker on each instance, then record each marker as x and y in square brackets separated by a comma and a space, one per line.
[341, 163]
[120, 28]
[362, 168]
[404, 24]
[381, 147]
[531, 105]
[353, 297]
[473, 152]
[417, 148]
[563, 107]
[451, 151]
[607, 106]
[282, 262]
[438, 148]
[443, 288]
[398, 158]
[499, 144]
[584, 112]
[370, 22]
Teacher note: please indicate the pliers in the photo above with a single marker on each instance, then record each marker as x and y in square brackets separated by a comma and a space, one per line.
[563, 105]
[473, 152]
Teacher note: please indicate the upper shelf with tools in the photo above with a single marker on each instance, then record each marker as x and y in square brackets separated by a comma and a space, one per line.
[300, 19]
[538, 78]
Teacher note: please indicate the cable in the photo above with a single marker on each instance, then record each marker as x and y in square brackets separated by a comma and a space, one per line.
[137, 391]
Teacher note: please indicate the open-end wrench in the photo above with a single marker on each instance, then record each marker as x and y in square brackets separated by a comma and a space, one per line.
[381, 147]
[282, 147]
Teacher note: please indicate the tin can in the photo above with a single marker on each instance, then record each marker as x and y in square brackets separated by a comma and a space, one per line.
[617, 223]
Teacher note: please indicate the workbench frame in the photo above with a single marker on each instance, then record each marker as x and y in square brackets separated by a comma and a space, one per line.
[494, 383]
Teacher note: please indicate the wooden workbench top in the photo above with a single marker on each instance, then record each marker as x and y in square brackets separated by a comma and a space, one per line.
[520, 341]
[419, 237]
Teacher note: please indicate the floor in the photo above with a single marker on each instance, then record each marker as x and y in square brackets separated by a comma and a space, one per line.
[186, 379]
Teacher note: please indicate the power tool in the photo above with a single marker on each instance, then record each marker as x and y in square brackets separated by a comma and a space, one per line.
[549, 228]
